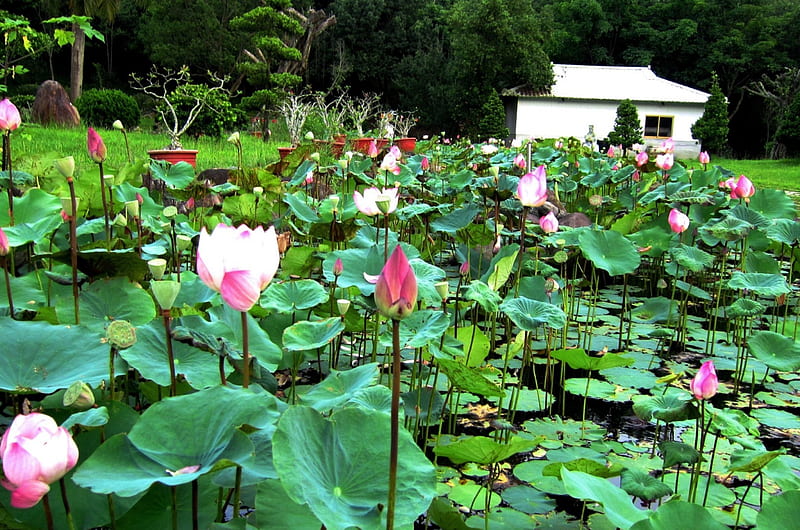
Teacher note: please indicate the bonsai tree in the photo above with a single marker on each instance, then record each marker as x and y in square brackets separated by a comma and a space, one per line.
[712, 127]
[627, 127]
[168, 89]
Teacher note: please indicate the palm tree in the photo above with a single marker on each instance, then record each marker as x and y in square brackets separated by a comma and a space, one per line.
[105, 9]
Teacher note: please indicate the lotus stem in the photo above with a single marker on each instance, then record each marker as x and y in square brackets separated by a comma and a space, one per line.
[173, 490]
[245, 352]
[8, 286]
[48, 514]
[395, 417]
[65, 501]
[195, 505]
[7, 167]
[173, 384]
[105, 207]
[237, 492]
[73, 245]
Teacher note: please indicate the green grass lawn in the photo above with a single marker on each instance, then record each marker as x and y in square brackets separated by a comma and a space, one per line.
[777, 174]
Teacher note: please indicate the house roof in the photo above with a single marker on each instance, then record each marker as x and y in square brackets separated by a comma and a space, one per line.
[614, 83]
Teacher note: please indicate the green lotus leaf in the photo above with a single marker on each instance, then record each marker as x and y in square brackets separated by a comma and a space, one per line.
[752, 461]
[468, 379]
[759, 283]
[669, 407]
[616, 502]
[579, 360]
[176, 176]
[425, 404]
[299, 208]
[527, 500]
[692, 258]
[773, 204]
[728, 229]
[483, 450]
[775, 350]
[307, 335]
[330, 464]
[610, 251]
[656, 309]
[420, 329]
[106, 300]
[584, 465]
[530, 314]
[678, 453]
[786, 231]
[675, 514]
[744, 307]
[289, 296]
[486, 297]
[455, 220]
[748, 215]
[642, 485]
[777, 510]
[340, 387]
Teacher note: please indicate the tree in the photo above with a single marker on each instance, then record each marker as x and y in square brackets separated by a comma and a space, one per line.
[788, 133]
[267, 26]
[712, 127]
[492, 123]
[779, 91]
[106, 9]
[627, 127]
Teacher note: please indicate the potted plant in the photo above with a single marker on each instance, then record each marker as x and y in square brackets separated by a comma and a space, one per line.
[331, 113]
[295, 109]
[166, 87]
[359, 111]
[402, 126]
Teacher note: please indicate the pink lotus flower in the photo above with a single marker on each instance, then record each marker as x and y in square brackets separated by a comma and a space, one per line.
[668, 145]
[368, 203]
[396, 290]
[488, 149]
[372, 150]
[238, 262]
[610, 152]
[338, 267]
[636, 176]
[532, 188]
[741, 188]
[425, 164]
[642, 158]
[559, 144]
[665, 161]
[678, 221]
[97, 149]
[463, 270]
[705, 383]
[520, 161]
[395, 152]
[36, 452]
[4, 248]
[549, 223]
[703, 157]
[390, 164]
[9, 116]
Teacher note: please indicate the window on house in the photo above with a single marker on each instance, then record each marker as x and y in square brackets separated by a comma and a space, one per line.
[658, 126]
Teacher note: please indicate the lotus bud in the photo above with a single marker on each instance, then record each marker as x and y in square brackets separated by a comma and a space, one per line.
[79, 396]
[396, 290]
[705, 383]
[65, 166]
[343, 305]
[158, 267]
[338, 267]
[4, 245]
[334, 202]
[165, 292]
[442, 289]
[121, 334]
[494, 171]
[66, 205]
[170, 212]
[661, 283]
[118, 125]
[678, 221]
[342, 163]
[184, 242]
[463, 270]
[132, 208]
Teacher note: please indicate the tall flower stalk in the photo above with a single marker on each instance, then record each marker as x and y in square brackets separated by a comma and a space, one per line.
[9, 121]
[97, 152]
[66, 166]
[395, 297]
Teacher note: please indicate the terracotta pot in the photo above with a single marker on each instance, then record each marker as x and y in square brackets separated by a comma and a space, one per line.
[406, 145]
[381, 142]
[337, 148]
[361, 144]
[173, 156]
[284, 151]
[257, 134]
[339, 138]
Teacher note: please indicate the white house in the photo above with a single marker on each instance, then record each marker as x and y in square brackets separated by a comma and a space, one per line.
[586, 97]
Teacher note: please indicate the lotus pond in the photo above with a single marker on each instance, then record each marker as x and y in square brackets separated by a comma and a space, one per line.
[549, 374]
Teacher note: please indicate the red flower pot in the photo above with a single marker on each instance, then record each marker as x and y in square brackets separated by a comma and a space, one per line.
[173, 156]
[406, 145]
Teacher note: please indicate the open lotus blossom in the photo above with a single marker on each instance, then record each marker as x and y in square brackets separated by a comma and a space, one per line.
[668, 145]
[389, 164]
[549, 223]
[368, 202]
[395, 151]
[396, 290]
[488, 149]
[665, 161]
[520, 161]
[9, 116]
[741, 188]
[678, 221]
[703, 157]
[642, 158]
[532, 188]
[238, 262]
[36, 452]
[559, 144]
[705, 383]
[97, 148]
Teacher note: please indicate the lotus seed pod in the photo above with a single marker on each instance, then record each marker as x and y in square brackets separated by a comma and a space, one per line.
[560, 257]
[65, 166]
[165, 292]
[132, 208]
[118, 125]
[184, 242]
[120, 221]
[343, 305]
[170, 212]
[66, 205]
[121, 334]
[79, 396]
[157, 267]
[443, 289]
[596, 200]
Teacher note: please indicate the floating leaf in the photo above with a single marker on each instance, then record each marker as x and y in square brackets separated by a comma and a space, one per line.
[676, 514]
[468, 379]
[780, 419]
[775, 350]
[425, 404]
[579, 360]
[752, 461]
[584, 465]
[669, 407]
[527, 500]
[609, 251]
[330, 463]
[656, 309]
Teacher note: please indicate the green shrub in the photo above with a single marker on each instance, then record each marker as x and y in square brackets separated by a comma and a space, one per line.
[100, 108]
[217, 117]
[712, 127]
[627, 127]
[492, 121]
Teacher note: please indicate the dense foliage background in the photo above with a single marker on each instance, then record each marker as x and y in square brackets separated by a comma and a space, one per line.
[443, 58]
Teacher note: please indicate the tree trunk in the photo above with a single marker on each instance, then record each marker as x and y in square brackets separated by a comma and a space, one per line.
[76, 65]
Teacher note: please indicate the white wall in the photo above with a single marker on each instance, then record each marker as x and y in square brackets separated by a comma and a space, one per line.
[554, 118]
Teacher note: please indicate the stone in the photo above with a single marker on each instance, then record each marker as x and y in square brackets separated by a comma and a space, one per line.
[52, 106]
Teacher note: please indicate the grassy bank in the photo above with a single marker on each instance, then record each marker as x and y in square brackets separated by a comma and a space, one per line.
[777, 174]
